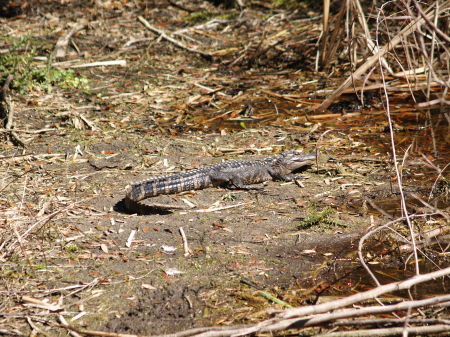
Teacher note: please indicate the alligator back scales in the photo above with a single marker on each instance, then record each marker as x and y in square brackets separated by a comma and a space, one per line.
[237, 173]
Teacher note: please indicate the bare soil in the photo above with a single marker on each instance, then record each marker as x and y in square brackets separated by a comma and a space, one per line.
[67, 186]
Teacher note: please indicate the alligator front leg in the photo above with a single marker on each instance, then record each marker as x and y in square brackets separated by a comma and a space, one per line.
[230, 179]
[284, 177]
[287, 177]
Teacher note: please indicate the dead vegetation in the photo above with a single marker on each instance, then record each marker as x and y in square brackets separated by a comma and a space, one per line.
[139, 87]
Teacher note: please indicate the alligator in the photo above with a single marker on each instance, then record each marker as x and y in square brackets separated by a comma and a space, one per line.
[235, 173]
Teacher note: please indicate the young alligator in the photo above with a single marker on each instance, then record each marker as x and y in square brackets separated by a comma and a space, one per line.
[237, 173]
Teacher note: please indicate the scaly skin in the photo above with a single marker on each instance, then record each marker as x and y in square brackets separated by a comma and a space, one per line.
[237, 173]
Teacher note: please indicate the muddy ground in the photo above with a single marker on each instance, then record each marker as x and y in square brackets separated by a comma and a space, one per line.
[63, 193]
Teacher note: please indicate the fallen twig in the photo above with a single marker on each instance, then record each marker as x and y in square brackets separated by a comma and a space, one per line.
[7, 107]
[121, 63]
[274, 94]
[407, 87]
[7, 110]
[40, 304]
[407, 330]
[187, 251]
[63, 321]
[221, 208]
[63, 41]
[172, 40]
[45, 291]
[426, 204]
[27, 156]
[210, 90]
[173, 3]
[28, 131]
[130, 238]
[393, 321]
[379, 209]
[243, 149]
[97, 333]
[274, 299]
[205, 26]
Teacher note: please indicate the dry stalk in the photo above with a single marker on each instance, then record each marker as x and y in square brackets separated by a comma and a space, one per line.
[325, 28]
[328, 53]
[397, 171]
[376, 58]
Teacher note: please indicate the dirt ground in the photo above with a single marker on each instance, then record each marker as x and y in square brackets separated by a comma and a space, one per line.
[152, 287]
[68, 240]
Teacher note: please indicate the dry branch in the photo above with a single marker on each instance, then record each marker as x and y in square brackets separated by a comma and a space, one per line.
[7, 110]
[172, 40]
[63, 42]
[28, 131]
[412, 330]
